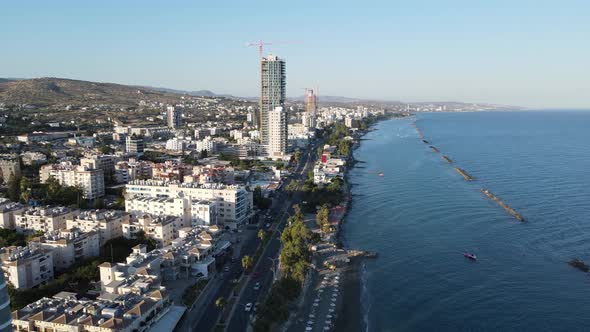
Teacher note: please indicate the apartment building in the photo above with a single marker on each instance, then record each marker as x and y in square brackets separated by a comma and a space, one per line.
[5, 317]
[26, 267]
[91, 181]
[69, 246]
[163, 229]
[9, 167]
[103, 162]
[126, 171]
[134, 145]
[277, 132]
[192, 212]
[43, 219]
[8, 211]
[63, 312]
[106, 222]
[234, 203]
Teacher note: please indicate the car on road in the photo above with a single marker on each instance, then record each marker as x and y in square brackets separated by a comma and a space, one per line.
[248, 307]
[256, 274]
[257, 285]
[226, 269]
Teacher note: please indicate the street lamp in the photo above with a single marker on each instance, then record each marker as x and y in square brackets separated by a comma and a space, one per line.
[273, 268]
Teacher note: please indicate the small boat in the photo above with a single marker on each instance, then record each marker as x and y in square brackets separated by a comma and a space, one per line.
[381, 174]
[470, 256]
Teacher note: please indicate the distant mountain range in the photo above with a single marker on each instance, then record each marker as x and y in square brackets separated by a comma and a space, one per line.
[51, 91]
[60, 91]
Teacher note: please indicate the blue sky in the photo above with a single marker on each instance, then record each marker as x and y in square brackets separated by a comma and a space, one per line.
[519, 52]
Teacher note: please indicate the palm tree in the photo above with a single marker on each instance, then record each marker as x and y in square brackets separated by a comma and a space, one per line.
[220, 302]
[247, 262]
[261, 235]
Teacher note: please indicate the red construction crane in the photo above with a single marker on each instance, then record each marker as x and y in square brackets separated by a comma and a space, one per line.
[261, 44]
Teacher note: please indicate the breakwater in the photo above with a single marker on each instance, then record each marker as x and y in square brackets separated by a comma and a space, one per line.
[468, 177]
[463, 173]
[505, 206]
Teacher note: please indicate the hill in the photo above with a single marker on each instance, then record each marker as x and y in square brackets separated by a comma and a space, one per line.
[50, 91]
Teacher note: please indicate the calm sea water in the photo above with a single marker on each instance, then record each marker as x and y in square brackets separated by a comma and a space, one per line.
[421, 216]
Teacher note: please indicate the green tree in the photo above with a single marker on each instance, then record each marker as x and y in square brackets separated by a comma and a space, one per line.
[13, 188]
[261, 235]
[247, 262]
[25, 189]
[322, 217]
[220, 302]
[292, 186]
[105, 149]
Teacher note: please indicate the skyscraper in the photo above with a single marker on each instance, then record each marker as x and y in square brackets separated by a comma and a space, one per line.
[277, 132]
[272, 83]
[174, 115]
[310, 108]
[5, 314]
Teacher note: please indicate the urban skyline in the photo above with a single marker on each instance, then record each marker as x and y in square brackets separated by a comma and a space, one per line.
[527, 54]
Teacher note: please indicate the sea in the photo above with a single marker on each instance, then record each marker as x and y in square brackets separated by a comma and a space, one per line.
[421, 216]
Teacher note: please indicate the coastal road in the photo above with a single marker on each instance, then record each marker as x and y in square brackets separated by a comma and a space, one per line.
[240, 319]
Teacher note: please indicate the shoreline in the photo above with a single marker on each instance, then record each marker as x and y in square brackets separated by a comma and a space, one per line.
[351, 316]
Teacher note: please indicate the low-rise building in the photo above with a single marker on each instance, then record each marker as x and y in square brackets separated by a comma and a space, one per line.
[106, 222]
[129, 312]
[163, 229]
[43, 219]
[26, 267]
[8, 211]
[126, 171]
[69, 246]
[32, 158]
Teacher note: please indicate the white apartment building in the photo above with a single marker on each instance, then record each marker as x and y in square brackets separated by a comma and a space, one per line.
[44, 219]
[65, 313]
[8, 211]
[192, 212]
[277, 133]
[134, 145]
[26, 267]
[91, 181]
[206, 143]
[69, 246]
[174, 117]
[163, 229]
[103, 162]
[234, 203]
[106, 222]
[126, 171]
[176, 144]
